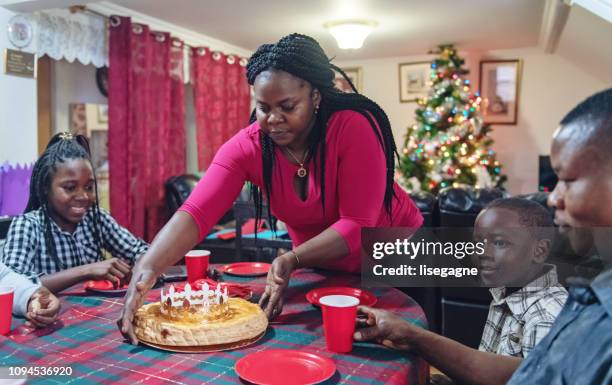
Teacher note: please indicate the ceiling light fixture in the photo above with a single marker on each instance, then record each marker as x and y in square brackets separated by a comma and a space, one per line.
[350, 34]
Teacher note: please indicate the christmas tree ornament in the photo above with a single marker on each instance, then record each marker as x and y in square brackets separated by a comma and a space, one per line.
[483, 178]
[414, 184]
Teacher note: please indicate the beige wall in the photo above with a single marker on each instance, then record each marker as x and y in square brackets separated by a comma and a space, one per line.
[18, 129]
[550, 86]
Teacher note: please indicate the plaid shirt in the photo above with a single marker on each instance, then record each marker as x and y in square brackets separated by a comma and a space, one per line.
[25, 250]
[516, 323]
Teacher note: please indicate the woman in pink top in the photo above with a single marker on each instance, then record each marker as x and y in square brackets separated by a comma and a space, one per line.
[323, 159]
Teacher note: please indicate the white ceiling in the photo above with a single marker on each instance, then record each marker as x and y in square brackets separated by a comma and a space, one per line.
[406, 27]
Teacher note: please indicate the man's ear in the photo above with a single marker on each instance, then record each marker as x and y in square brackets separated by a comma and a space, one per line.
[541, 250]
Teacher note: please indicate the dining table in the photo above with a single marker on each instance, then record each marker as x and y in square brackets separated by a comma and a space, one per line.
[86, 340]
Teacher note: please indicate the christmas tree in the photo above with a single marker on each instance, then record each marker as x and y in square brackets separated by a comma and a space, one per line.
[449, 145]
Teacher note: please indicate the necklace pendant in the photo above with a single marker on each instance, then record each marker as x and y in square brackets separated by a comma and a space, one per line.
[301, 172]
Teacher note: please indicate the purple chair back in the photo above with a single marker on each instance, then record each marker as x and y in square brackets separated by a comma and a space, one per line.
[14, 188]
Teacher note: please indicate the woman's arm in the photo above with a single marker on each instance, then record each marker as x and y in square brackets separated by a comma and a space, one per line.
[317, 251]
[328, 245]
[174, 240]
[212, 197]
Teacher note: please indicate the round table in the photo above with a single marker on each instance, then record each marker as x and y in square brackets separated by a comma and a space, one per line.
[86, 338]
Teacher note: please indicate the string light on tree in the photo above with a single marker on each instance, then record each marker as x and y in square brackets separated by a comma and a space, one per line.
[449, 145]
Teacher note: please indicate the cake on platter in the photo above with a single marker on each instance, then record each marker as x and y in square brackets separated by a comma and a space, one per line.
[199, 318]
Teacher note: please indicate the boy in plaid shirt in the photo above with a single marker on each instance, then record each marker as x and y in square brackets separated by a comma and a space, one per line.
[526, 294]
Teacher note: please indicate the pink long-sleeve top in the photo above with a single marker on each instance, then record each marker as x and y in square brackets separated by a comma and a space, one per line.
[355, 174]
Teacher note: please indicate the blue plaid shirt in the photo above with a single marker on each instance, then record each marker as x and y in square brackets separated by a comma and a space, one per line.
[578, 348]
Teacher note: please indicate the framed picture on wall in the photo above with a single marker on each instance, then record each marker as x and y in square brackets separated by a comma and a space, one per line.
[354, 74]
[499, 88]
[414, 80]
[102, 113]
[78, 118]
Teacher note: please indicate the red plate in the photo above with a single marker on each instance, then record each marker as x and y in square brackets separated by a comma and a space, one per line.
[365, 297]
[104, 287]
[285, 367]
[233, 289]
[246, 269]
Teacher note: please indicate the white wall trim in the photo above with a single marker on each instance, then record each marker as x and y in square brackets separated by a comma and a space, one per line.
[188, 36]
[554, 19]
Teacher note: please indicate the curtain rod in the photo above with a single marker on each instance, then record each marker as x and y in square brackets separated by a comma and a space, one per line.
[84, 9]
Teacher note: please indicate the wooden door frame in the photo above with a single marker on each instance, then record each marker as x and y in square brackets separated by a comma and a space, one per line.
[44, 102]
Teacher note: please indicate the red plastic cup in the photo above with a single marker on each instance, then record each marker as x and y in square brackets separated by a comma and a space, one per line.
[6, 309]
[339, 313]
[196, 262]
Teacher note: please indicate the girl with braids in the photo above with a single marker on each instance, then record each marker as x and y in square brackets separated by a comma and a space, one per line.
[323, 160]
[59, 240]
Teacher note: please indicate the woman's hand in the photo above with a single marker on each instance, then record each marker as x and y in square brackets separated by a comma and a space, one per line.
[142, 281]
[278, 279]
[43, 308]
[384, 327]
[114, 270]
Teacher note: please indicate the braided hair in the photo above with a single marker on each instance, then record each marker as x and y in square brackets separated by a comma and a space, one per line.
[61, 147]
[303, 57]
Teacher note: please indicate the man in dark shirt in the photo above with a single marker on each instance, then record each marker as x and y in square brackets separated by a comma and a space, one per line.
[578, 348]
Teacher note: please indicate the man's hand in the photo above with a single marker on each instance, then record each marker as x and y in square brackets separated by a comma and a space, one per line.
[43, 308]
[384, 327]
[278, 279]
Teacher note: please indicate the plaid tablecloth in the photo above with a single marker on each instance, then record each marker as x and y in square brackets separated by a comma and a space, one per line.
[87, 340]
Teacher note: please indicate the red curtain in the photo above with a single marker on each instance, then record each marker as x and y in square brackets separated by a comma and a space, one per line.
[221, 97]
[146, 123]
